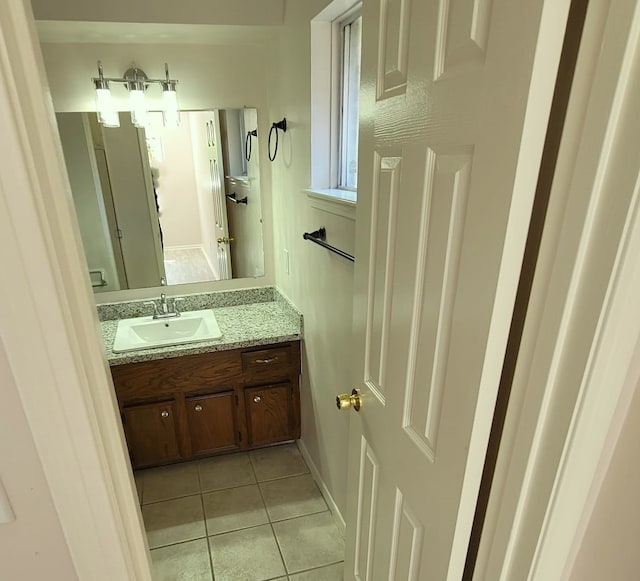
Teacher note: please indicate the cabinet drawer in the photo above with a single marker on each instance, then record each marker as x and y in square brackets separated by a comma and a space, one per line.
[266, 358]
[153, 379]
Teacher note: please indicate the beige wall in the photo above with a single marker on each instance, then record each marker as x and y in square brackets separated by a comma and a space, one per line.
[210, 76]
[319, 283]
[249, 12]
[79, 158]
[610, 547]
[33, 546]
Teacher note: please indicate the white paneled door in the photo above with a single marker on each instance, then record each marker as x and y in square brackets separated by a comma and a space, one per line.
[455, 98]
[216, 170]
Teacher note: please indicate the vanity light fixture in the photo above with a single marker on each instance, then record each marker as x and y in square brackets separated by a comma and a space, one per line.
[170, 110]
[137, 82]
[107, 114]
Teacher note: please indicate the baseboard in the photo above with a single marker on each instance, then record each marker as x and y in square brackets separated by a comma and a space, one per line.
[183, 247]
[315, 473]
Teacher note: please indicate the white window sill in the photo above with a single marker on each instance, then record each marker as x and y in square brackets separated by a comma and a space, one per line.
[334, 201]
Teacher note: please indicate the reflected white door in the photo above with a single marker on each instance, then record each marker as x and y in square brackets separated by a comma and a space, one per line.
[216, 169]
[452, 130]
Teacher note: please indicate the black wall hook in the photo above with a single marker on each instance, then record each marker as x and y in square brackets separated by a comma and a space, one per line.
[247, 143]
[282, 126]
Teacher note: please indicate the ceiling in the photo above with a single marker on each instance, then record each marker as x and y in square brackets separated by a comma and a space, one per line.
[57, 31]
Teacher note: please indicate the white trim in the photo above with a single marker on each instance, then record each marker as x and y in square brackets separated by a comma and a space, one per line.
[567, 341]
[549, 42]
[338, 202]
[326, 67]
[324, 489]
[48, 317]
[598, 413]
[184, 247]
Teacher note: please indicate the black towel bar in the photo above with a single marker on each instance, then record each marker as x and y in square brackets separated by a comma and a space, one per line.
[319, 236]
[233, 198]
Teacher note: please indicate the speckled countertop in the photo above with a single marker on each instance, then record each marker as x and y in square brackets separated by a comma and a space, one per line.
[272, 320]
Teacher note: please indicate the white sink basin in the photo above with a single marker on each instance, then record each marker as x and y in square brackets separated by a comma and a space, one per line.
[147, 332]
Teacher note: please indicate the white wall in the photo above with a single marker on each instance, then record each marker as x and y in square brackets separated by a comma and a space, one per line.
[231, 120]
[319, 283]
[609, 548]
[87, 196]
[177, 194]
[33, 546]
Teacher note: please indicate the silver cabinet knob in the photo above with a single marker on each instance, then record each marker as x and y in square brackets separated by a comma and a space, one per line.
[198, 408]
[257, 399]
[165, 414]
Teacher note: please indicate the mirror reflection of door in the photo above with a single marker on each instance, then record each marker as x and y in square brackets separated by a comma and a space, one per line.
[239, 131]
[153, 204]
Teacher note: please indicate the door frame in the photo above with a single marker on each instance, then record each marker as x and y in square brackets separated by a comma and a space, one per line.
[68, 397]
[556, 445]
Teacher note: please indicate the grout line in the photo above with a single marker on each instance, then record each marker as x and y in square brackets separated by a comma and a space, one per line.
[273, 532]
[285, 476]
[178, 543]
[237, 530]
[228, 487]
[170, 499]
[278, 521]
[204, 516]
[317, 568]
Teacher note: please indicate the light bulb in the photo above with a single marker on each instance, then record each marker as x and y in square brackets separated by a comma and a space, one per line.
[107, 115]
[170, 111]
[138, 107]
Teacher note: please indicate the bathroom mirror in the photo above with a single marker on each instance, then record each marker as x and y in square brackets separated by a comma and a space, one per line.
[163, 205]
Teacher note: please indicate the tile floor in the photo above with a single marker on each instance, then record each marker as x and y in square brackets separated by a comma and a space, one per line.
[250, 516]
[182, 265]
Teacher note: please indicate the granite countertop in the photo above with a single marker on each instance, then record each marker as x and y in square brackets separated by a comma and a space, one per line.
[243, 325]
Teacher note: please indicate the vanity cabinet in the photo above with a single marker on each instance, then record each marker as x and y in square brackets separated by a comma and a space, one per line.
[213, 423]
[210, 403]
[151, 433]
[270, 414]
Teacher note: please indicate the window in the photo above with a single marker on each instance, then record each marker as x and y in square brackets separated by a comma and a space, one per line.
[351, 37]
[335, 85]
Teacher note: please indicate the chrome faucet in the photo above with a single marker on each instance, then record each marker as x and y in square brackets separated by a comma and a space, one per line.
[163, 309]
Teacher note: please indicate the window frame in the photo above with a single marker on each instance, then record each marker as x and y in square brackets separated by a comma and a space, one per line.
[326, 99]
[340, 52]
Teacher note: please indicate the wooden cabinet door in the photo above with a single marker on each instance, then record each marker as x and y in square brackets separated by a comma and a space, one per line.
[269, 413]
[213, 424]
[151, 433]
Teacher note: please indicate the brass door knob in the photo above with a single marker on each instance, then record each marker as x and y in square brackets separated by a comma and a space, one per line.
[345, 401]
[225, 240]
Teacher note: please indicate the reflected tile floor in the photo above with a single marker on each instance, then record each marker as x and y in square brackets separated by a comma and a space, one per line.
[250, 516]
